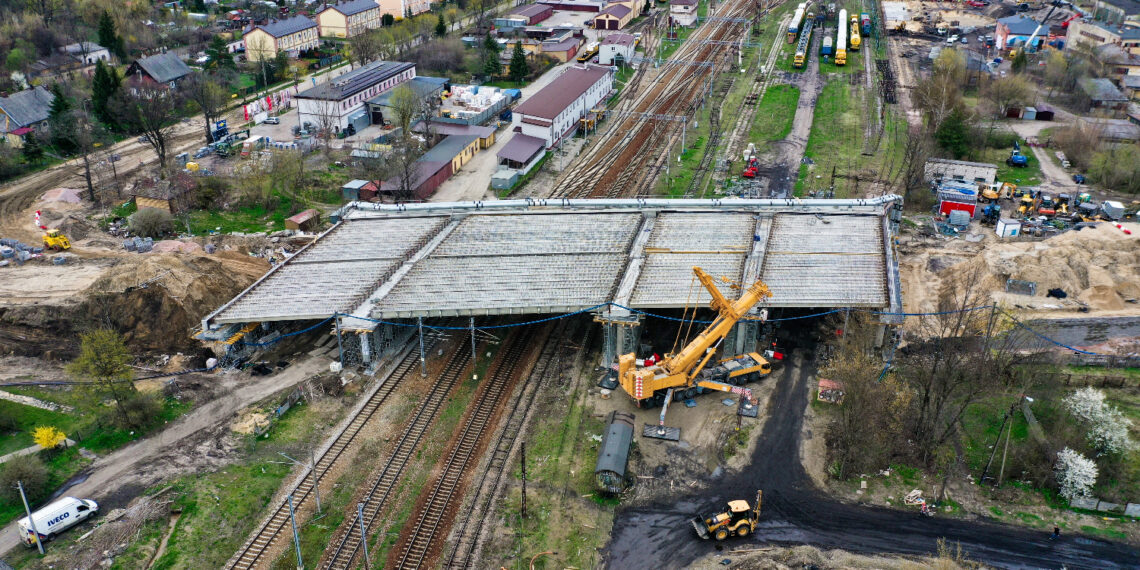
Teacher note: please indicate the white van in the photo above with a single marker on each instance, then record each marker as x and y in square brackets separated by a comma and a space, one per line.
[56, 518]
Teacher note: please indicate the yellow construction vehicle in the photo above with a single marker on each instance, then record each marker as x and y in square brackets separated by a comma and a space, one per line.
[739, 519]
[683, 373]
[54, 239]
[1028, 205]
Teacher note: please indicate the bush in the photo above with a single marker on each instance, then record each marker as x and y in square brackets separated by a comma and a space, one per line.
[151, 222]
[1076, 474]
[141, 410]
[998, 138]
[27, 469]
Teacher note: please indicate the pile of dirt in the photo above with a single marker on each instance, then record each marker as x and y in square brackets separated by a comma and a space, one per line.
[1098, 268]
[160, 299]
[69, 195]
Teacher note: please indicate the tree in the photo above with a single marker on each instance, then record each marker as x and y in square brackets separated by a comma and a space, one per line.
[102, 362]
[1006, 92]
[1108, 428]
[1076, 474]
[17, 60]
[33, 151]
[104, 85]
[28, 470]
[938, 96]
[491, 65]
[151, 222]
[953, 135]
[365, 47]
[1117, 167]
[151, 110]
[48, 437]
[218, 55]
[60, 120]
[1056, 69]
[951, 64]
[520, 69]
[387, 20]
[405, 105]
[109, 38]
[1019, 61]
[208, 94]
[440, 26]
[915, 152]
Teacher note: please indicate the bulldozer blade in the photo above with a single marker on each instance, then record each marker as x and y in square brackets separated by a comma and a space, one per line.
[699, 526]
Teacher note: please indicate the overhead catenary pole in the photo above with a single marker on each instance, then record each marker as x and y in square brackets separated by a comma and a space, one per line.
[296, 537]
[474, 374]
[313, 471]
[363, 538]
[31, 521]
[423, 359]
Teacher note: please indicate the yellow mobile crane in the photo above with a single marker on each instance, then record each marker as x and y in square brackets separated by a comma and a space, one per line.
[684, 371]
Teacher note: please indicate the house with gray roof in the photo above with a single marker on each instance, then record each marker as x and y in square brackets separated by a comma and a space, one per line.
[292, 35]
[164, 69]
[1102, 93]
[22, 112]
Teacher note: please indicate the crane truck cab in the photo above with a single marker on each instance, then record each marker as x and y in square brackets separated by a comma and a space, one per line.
[740, 519]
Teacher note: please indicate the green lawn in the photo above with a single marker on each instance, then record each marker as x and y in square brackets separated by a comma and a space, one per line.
[774, 114]
[247, 219]
[27, 419]
[786, 60]
[1025, 176]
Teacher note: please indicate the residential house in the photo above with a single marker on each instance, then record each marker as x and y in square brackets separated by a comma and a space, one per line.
[1015, 30]
[1097, 34]
[348, 19]
[1131, 85]
[554, 112]
[1118, 63]
[87, 53]
[21, 113]
[683, 12]
[404, 8]
[1103, 94]
[292, 35]
[615, 46]
[342, 101]
[164, 69]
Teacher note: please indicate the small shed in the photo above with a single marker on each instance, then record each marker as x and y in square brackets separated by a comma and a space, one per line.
[306, 221]
[1045, 113]
[351, 189]
[957, 197]
[613, 455]
[1013, 112]
[1030, 114]
[1007, 227]
[504, 179]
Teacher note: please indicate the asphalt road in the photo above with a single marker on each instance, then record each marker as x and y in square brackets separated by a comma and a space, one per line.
[796, 512]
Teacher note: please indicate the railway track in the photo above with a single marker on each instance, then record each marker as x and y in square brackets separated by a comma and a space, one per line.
[276, 526]
[383, 481]
[437, 514]
[464, 552]
[635, 141]
[739, 136]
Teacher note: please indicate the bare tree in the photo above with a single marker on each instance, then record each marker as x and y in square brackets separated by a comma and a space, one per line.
[151, 110]
[364, 47]
[210, 97]
[327, 117]
[404, 160]
[1006, 92]
[405, 107]
[938, 96]
[915, 152]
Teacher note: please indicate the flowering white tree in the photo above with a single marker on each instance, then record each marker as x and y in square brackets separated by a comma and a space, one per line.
[1108, 428]
[1076, 474]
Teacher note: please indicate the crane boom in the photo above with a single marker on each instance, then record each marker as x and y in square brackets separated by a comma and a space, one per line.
[682, 370]
[1041, 24]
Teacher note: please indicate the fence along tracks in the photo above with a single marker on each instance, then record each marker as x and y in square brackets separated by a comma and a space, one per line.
[382, 482]
[423, 537]
[252, 553]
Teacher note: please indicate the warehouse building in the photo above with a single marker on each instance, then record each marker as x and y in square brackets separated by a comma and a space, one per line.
[940, 169]
[434, 167]
[554, 111]
[336, 104]
[522, 16]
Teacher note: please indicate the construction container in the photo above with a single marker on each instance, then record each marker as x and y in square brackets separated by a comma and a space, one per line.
[613, 455]
[504, 179]
[1030, 114]
[1007, 227]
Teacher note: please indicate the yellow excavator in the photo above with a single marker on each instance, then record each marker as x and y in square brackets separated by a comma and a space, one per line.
[54, 239]
[740, 519]
[683, 374]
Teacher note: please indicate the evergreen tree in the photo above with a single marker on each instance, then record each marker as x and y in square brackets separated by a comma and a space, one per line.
[108, 38]
[219, 56]
[440, 26]
[33, 151]
[60, 104]
[387, 20]
[1020, 60]
[491, 65]
[61, 121]
[953, 134]
[519, 66]
[104, 85]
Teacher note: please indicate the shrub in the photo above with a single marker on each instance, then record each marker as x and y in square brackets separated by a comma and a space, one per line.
[1076, 474]
[48, 437]
[141, 410]
[151, 222]
[1107, 427]
[27, 469]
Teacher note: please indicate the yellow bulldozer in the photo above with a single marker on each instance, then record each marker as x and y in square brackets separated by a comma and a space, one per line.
[740, 520]
[55, 240]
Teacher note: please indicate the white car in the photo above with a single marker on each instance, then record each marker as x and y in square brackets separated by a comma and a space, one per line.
[273, 121]
[56, 518]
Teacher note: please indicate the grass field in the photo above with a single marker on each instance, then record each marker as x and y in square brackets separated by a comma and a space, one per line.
[774, 115]
[1029, 175]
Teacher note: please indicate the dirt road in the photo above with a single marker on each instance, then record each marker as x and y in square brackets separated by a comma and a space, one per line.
[796, 512]
[133, 466]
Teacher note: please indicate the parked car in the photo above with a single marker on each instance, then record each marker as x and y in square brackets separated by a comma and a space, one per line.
[273, 121]
[144, 139]
[1079, 178]
[965, 40]
[56, 518]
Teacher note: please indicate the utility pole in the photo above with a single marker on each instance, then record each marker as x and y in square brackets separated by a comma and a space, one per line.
[1008, 435]
[522, 455]
[31, 521]
[423, 360]
[339, 346]
[474, 374]
[296, 537]
[313, 471]
[363, 538]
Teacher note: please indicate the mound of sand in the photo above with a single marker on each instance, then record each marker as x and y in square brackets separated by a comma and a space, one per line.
[1099, 267]
[176, 246]
[69, 195]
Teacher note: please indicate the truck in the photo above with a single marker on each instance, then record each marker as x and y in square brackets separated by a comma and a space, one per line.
[55, 518]
[855, 41]
[865, 23]
[841, 39]
[683, 374]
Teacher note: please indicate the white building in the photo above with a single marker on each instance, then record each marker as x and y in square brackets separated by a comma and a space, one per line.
[615, 45]
[87, 53]
[553, 112]
[942, 169]
[335, 104]
[683, 12]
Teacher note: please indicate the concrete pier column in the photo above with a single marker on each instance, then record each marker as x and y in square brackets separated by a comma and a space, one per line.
[621, 331]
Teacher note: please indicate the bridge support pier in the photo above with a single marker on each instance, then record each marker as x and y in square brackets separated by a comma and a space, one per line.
[621, 332]
[745, 335]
